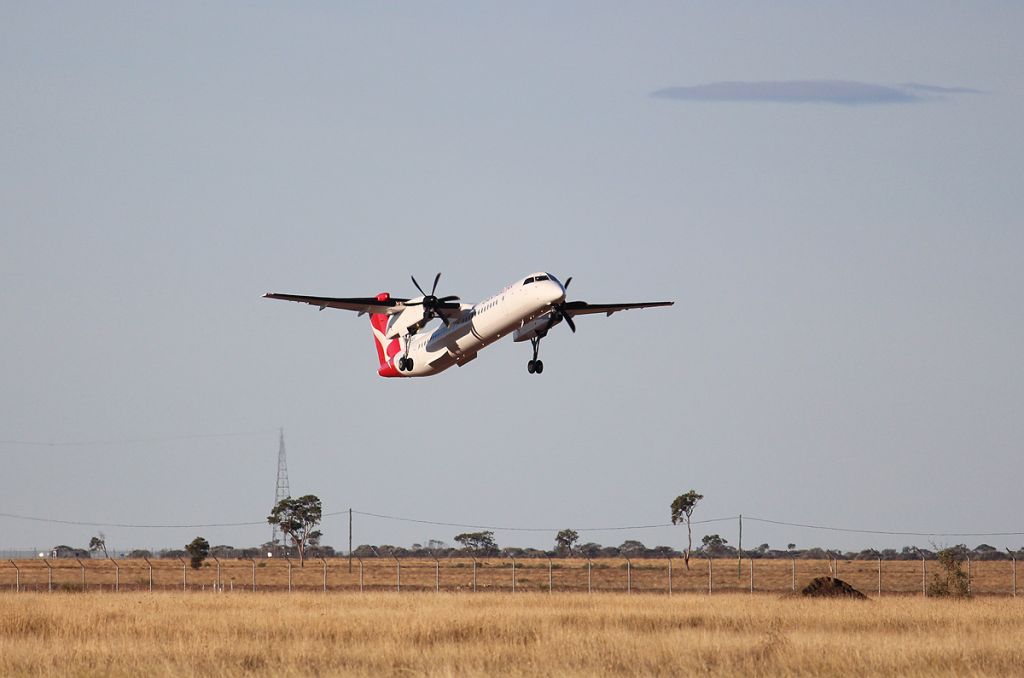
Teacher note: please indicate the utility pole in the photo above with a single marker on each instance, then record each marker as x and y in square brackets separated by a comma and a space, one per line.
[281, 491]
[739, 551]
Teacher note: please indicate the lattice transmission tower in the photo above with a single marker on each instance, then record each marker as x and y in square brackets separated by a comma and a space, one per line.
[282, 491]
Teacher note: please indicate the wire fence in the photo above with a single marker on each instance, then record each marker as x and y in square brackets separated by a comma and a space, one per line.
[664, 576]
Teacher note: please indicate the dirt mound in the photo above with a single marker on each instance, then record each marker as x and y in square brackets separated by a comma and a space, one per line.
[830, 587]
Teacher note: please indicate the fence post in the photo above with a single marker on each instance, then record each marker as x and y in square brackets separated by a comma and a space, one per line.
[474, 573]
[629, 575]
[711, 580]
[398, 573]
[513, 572]
[437, 573]
[669, 574]
[879, 576]
[184, 574]
[360, 573]
[750, 561]
[792, 561]
[17, 577]
[1013, 559]
[924, 574]
[216, 584]
[289, 560]
[325, 572]
[49, 576]
[117, 574]
[590, 567]
[150, 573]
[82, 566]
[549, 572]
[968, 574]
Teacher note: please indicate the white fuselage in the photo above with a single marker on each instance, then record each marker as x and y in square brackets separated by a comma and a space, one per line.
[479, 325]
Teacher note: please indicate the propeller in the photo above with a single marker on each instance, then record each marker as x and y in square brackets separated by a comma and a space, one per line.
[561, 314]
[432, 305]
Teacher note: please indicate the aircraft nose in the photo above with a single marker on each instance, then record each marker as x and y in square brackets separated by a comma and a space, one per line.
[556, 292]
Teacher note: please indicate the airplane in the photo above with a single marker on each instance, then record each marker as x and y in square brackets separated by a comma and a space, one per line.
[528, 309]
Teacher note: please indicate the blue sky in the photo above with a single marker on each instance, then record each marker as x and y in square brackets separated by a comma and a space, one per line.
[844, 348]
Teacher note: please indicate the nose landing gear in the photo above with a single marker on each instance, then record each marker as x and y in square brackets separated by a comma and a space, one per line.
[535, 366]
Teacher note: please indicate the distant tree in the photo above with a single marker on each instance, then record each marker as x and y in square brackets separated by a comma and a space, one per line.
[712, 543]
[682, 509]
[198, 549]
[565, 540]
[632, 547]
[99, 543]
[297, 519]
[790, 547]
[172, 553]
[478, 542]
[589, 550]
[140, 553]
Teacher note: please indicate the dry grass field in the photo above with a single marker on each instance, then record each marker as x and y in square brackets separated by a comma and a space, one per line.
[428, 634]
[492, 574]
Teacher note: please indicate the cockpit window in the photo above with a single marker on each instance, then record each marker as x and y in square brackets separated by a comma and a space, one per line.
[536, 278]
[540, 277]
[528, 281]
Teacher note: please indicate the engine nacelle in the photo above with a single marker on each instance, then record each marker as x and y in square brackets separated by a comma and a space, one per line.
[537, 327]
[408, 321]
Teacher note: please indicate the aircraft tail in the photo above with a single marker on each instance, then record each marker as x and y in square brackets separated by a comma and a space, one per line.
[387, 349]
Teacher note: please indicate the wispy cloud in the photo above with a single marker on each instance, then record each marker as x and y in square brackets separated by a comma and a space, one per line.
[842, 92]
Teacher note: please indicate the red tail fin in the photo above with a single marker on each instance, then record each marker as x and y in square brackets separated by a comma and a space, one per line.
[386, 349]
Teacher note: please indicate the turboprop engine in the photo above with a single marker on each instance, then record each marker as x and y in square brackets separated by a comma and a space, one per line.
[537, 328]
[407, 321]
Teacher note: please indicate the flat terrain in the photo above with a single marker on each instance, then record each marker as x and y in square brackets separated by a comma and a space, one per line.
[492, 574]
[429, 634]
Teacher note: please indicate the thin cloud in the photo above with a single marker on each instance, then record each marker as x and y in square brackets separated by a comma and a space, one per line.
[935, 89]
[842, 92]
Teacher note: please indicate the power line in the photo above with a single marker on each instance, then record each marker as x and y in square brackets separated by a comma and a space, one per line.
[132, 441]
[501, 528]
[125, 525]
[889, 532]
[532, 529]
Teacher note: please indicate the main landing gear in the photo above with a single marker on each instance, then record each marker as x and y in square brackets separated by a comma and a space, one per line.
[405, 362]
[535, 366]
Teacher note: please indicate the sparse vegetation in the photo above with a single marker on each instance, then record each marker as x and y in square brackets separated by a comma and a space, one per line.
[99, 543]
[950, 580]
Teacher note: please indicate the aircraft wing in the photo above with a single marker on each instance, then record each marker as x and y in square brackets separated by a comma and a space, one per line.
[575, 308]
[359, 304]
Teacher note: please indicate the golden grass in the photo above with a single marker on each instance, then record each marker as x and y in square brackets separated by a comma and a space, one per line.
[495, 574]
[277, 634]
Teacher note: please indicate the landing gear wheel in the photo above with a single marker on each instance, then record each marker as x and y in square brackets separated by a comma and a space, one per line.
[531, 366]
[408, 364]
[538, 366]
